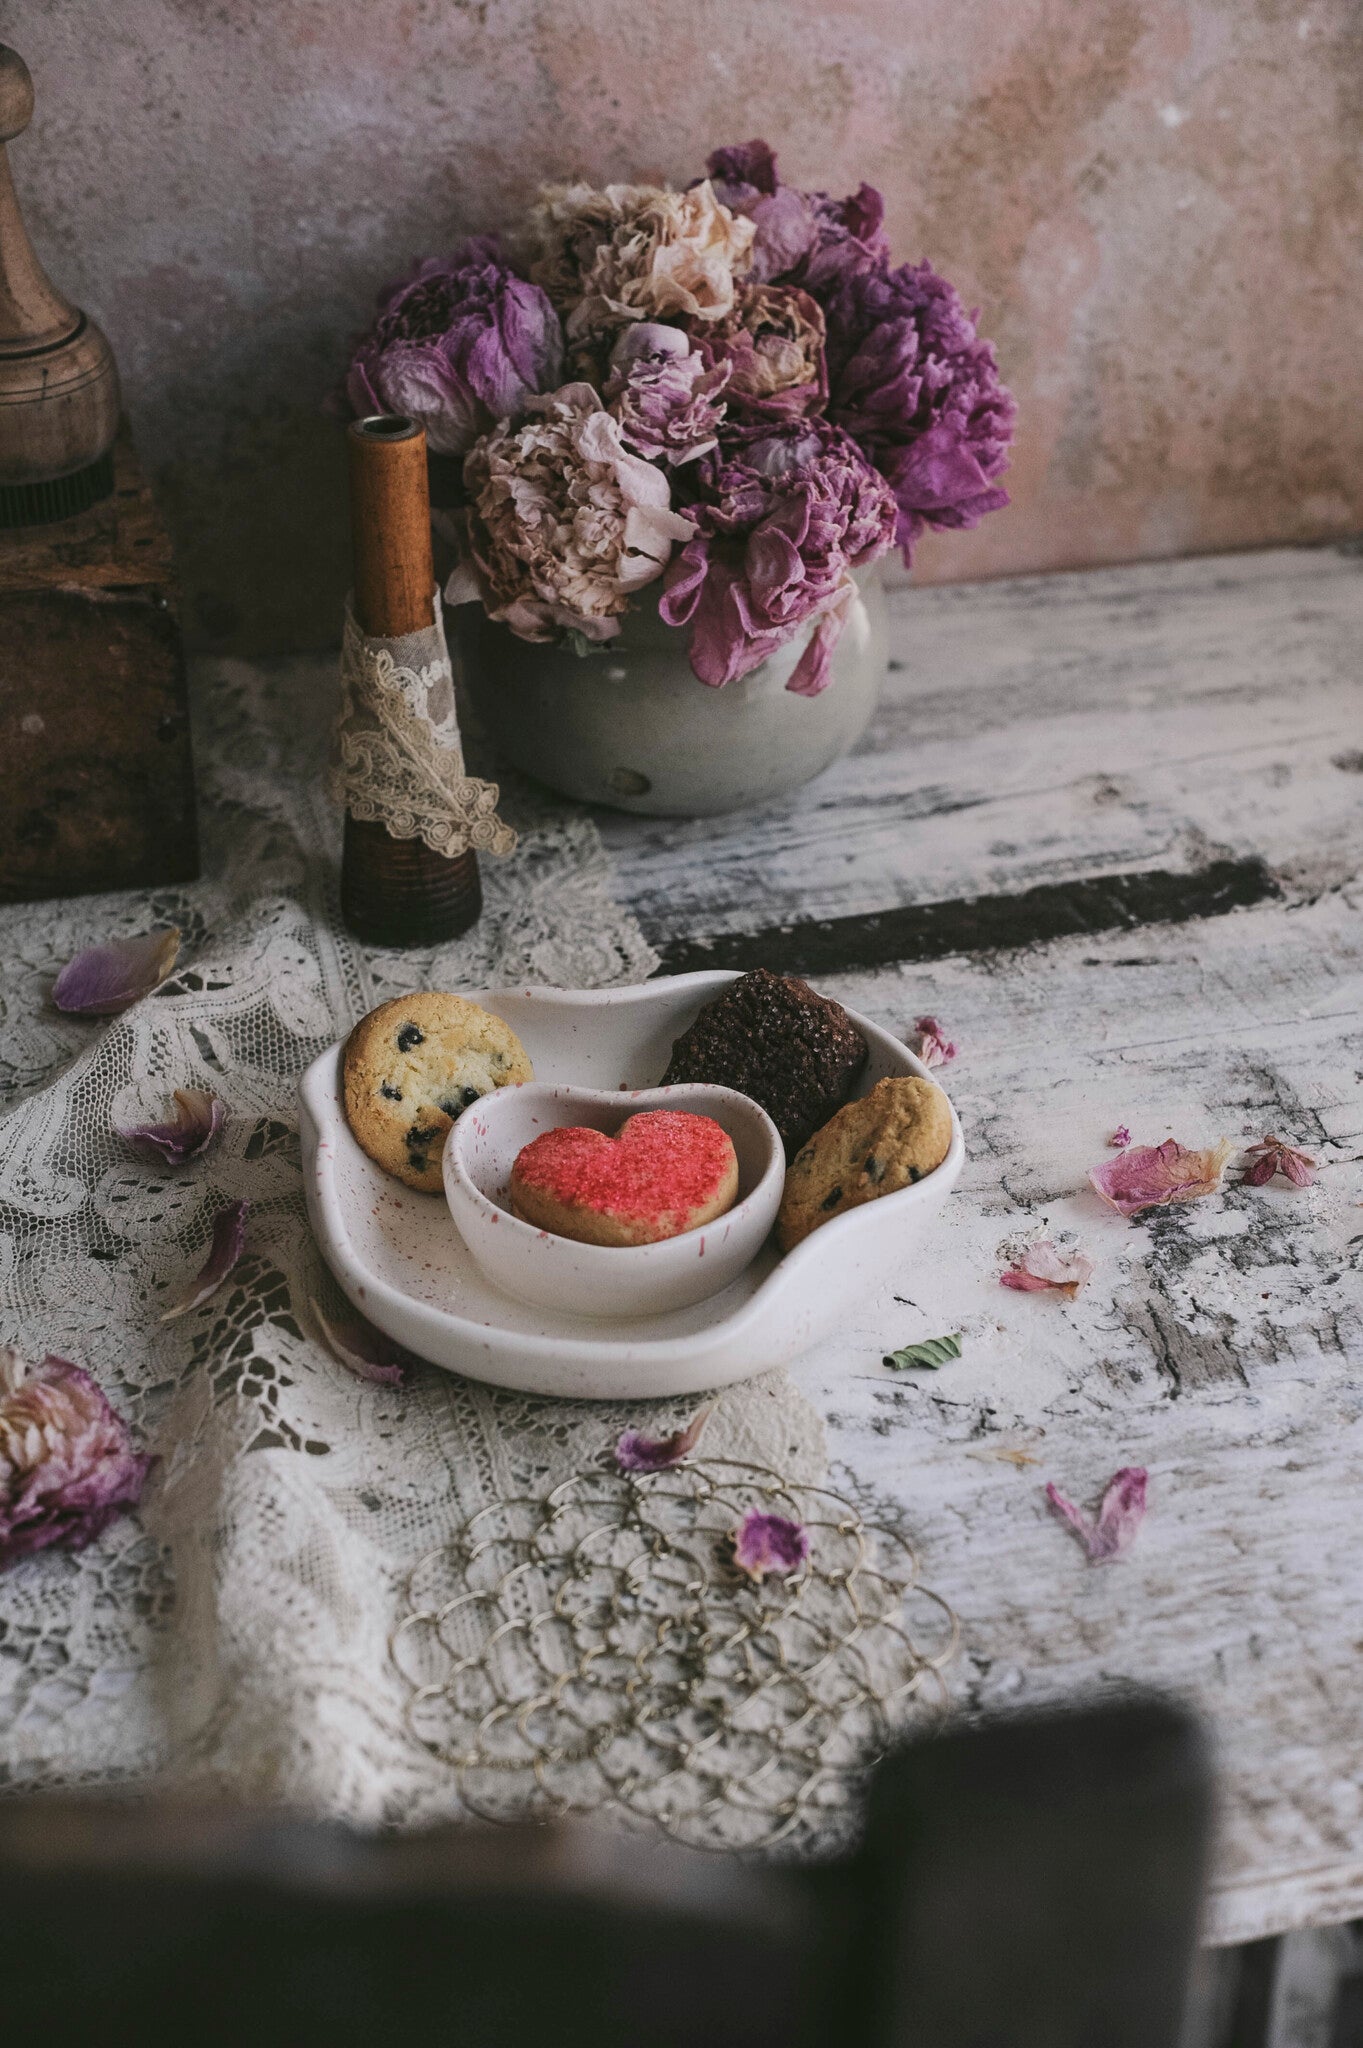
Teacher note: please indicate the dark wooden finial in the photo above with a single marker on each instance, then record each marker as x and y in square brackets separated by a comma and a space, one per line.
[397, 892]
[59, 398]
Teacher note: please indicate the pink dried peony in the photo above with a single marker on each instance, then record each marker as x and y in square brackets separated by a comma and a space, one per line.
[770, 1544]
[66, 1462]
[460, 344]
[564, 523]
[1272, 1156]
[636, 252]
[772, 344]
[668, 402]
[780, 524]
[1119, 1517]
[1043, 1265]
[1151, 1176]
[913, 383]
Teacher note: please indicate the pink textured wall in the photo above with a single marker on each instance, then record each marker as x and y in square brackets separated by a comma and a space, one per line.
[1158, 204]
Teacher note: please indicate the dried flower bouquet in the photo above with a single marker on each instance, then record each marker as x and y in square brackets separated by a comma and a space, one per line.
[727, 388]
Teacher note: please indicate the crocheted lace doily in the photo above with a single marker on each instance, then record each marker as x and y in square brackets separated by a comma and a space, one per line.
[237, 1629]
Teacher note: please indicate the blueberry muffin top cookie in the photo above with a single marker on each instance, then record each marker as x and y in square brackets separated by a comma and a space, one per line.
[886, 1141]
[773, 1038]
[412, 1067]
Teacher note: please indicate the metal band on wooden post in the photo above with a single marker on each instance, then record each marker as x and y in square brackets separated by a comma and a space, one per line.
[397, 892]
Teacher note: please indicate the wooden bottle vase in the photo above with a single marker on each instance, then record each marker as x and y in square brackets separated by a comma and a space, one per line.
[397, 892]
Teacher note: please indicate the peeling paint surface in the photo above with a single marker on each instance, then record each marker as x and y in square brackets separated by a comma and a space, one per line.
[1157, 204]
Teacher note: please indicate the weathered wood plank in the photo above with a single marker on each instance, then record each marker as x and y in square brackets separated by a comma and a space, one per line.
[1161, 718]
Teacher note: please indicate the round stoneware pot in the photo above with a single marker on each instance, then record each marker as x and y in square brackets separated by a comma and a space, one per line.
[630, 726]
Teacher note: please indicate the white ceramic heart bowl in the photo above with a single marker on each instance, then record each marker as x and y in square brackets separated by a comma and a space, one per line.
[606, 1280]
[400, 1259]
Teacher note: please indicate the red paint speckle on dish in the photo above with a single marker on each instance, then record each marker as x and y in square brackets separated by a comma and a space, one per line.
[663, 1163]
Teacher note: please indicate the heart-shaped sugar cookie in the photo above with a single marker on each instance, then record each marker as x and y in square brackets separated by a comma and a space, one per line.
[664, 1172]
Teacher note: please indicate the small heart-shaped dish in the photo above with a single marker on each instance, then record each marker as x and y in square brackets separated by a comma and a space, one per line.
[606, 1280]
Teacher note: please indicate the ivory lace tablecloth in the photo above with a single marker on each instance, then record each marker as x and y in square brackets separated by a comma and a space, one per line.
[234, 1632]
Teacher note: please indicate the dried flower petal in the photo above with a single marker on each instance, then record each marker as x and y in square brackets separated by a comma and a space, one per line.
[198, 1119]
[1119, 1517]
[1149, 1176]
[770, 1543]
[105, 979]
[67, 1466]
[229, 1236]
[934, 1049]
[1044, 1265]
[1120, 1138]
[1272, 1156]
[362, 1349]
[635, 1452]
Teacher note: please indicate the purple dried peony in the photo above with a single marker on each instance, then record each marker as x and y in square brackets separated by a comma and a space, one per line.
[460, 344]
[781, 523]
[668, 401]
[913, 383]
[796, 232]
[66, 1464]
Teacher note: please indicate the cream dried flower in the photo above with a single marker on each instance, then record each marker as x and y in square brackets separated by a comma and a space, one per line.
[637, 252]
[564, 524]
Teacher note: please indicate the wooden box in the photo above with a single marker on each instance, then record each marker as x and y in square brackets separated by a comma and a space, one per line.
[96, 779]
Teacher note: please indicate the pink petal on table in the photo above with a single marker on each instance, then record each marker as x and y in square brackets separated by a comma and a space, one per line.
[67, 1465]
[934, 1048]
[1119, 1516]
[106, 979]
[769, 1543]
[199, 1116]
[1120, 1138]
[1272, 1156]
[1149, 1176]
[229, 1237]
[1043, 1264]
[362, 1349]
[635, 1452]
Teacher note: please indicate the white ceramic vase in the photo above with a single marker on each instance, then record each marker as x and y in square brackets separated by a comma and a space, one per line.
[631, 727]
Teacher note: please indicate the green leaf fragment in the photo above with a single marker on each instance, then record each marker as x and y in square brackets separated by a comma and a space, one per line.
[933, 1351]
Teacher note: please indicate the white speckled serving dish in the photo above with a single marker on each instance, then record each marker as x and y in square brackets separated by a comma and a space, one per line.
[400, 1259]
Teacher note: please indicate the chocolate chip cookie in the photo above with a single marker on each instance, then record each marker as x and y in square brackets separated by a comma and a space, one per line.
[412, 1067]
[886, 1141]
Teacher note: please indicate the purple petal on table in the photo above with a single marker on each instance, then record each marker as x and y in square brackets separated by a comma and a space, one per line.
[1119, 1516]
[362, 1349]
[229, 1237]
[1149, 1176]
[934, 1048]
[770, 1543]
[199, 1116]
[67, 1465]
[105, 979]
[1120, 1138]
[636, 1452]
[1043, 1264]
[1272, 1156]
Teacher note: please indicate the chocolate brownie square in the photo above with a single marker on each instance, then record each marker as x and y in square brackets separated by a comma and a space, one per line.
[771, 1037]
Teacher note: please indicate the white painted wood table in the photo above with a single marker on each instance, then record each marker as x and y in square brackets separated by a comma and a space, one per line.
[1136, 797]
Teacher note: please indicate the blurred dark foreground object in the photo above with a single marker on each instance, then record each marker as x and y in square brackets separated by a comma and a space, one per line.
[1033, 1883]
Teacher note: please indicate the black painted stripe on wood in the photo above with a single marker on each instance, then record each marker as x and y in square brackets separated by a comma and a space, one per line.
[979, 924]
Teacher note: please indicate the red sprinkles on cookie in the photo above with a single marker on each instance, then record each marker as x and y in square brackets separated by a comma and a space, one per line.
[664, 1172]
